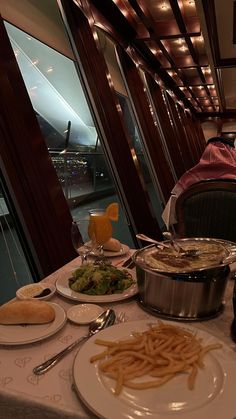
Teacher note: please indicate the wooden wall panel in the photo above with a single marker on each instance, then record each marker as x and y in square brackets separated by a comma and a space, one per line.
[188, 157]
[199, 133]
[193, 145]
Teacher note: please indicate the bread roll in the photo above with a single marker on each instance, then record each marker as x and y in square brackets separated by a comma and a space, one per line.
[26, 311]
[112, 245]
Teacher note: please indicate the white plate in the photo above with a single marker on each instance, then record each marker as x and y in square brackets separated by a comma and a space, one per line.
[109, 254]
[63, 288]
[24, 334]
[84, 313]
[28, 292]
[213, 396]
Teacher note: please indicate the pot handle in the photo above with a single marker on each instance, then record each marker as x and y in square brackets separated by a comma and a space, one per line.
[230, 259]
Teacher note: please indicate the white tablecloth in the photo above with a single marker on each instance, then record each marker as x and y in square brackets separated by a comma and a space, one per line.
[24, 395]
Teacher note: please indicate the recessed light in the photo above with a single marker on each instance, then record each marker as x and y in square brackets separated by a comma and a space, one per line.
[164, 6]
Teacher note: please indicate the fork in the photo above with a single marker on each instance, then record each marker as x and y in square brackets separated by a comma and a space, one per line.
[121, 317]
[127, 263]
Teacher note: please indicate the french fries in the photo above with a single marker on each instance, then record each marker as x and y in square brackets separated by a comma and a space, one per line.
[161, 352]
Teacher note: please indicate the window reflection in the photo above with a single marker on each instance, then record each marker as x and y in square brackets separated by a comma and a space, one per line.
[14, 270]
[81, 173]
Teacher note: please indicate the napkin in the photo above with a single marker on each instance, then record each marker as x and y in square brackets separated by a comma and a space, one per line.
[169, 215]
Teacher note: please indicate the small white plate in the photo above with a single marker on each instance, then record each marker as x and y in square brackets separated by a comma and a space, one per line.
[29, 292]
[21, 334]
[84, 313]
[109, 253]
[62, 287]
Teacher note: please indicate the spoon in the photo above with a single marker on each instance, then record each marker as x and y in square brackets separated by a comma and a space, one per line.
[107, 318]
[178, 248]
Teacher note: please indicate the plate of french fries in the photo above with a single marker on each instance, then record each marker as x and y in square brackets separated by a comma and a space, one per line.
[159, 370]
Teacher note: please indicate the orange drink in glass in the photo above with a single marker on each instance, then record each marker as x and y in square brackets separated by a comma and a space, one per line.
[100, 227]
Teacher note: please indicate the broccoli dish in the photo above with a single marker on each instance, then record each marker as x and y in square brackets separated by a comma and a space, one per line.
[100, 279]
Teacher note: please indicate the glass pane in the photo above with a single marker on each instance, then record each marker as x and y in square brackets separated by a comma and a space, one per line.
[14, 270]
[67, 126]
[158, 124]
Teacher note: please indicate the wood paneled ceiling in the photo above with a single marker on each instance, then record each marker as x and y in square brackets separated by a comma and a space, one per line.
[188, 45]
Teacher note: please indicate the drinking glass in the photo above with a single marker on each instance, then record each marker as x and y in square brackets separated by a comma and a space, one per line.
[80, 238]
[99, 229]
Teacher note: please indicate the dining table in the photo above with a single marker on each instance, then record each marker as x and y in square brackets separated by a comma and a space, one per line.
[24, 395]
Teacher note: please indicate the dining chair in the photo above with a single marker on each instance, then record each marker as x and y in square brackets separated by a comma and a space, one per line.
[208, 209]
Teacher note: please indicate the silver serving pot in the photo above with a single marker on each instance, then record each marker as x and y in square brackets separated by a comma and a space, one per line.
[193, 295]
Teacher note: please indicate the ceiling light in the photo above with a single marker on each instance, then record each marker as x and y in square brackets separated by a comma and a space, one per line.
[153, 50]
[164, 6]
[206, 70]
[183, 48]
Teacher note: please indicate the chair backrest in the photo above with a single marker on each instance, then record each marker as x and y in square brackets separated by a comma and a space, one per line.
[208, 209]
